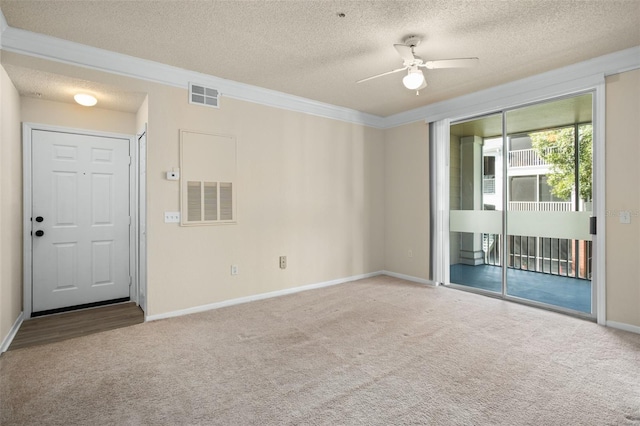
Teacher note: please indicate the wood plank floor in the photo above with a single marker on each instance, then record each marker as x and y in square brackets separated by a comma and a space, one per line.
[54, 328]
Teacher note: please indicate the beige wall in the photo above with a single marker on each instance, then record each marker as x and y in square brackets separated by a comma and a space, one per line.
[34, 110]
[308, 188]
[10, 206]
[406, 189]
[623, 194]
[142, 116]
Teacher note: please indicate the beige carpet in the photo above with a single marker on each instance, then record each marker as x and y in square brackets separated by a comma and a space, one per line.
[379, 351]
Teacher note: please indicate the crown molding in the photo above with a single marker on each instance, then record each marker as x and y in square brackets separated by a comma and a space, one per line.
[55, 49]
[566, 80]
[3, 22]
[562, 81]
[3, 25]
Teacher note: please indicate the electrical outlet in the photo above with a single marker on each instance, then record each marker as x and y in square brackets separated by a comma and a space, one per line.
[283, 262]
[234, 269]
[410, 253]
[171, 217]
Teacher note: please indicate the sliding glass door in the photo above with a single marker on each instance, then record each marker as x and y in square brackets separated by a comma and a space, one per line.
[521, 201]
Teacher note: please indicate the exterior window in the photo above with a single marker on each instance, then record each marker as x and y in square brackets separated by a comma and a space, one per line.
[522, 188]
[489, 178]
[520, 142]
[545, 191]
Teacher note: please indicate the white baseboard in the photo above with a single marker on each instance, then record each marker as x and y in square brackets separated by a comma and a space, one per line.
[12, 333]
[410, 278]
[231, 302]
[623, 326]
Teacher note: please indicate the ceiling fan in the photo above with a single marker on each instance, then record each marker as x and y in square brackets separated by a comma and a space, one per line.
[414, 80]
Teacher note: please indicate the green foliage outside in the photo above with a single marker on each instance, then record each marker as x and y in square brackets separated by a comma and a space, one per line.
[557, 148]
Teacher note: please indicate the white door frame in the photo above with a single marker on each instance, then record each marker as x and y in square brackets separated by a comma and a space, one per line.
[27, 281]
[141, 222]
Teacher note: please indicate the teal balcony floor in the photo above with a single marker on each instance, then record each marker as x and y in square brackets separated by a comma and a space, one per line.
[566, 292]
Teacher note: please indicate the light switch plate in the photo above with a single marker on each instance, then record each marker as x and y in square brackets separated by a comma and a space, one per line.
[171, 217]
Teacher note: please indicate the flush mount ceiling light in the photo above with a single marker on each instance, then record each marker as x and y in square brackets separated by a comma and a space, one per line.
[85, 100]
[414, 78]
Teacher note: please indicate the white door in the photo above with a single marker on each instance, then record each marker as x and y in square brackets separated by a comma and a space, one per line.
[80, 219]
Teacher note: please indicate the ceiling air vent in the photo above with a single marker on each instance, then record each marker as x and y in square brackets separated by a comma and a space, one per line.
[201, 95]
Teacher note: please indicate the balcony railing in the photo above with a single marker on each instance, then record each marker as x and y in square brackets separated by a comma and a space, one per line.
[527, 157]
[542, 206]
[555, 256]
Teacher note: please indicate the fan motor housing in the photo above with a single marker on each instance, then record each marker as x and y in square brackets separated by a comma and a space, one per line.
[412, 41]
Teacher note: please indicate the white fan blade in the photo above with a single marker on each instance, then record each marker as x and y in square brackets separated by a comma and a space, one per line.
[380, 75]
[451, 63]
[405, 52]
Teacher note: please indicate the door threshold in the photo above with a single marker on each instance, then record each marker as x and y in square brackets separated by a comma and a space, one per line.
[79, 307]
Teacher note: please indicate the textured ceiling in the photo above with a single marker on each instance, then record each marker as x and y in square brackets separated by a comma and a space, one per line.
[59, 88]
[304, 48]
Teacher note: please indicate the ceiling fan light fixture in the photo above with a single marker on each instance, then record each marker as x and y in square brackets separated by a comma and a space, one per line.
[85, 100]
[414, 79]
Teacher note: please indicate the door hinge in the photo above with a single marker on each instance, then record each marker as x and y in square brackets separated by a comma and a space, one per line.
[593, 225]
[130, 281]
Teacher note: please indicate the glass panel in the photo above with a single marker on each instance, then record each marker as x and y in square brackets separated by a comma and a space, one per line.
[475, 218]
[549, 176]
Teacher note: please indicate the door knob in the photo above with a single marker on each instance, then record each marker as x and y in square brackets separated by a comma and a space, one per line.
[39, 233]
[39, 219]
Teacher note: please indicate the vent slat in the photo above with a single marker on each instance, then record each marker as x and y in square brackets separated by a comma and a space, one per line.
[226, 201]
[210, 201]
[194, 202]
[201, 95]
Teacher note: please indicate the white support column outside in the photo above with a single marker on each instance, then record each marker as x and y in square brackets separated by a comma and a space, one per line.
[471, 196]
